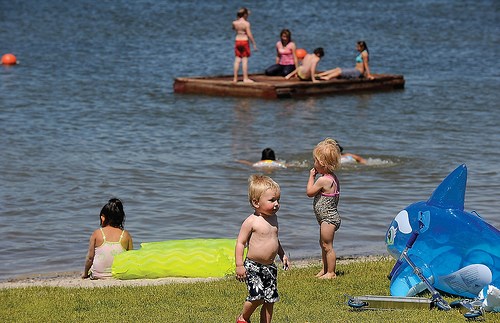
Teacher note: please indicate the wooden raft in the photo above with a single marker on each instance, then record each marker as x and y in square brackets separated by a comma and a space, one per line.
[275, 87]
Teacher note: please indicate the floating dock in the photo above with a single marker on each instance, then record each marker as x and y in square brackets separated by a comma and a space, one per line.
[276, 87]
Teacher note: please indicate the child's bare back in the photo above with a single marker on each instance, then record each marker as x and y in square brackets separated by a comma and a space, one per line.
[307, 71]
[241, 27]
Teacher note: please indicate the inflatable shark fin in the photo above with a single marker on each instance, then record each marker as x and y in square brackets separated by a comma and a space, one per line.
[450, 194]
[468, 280]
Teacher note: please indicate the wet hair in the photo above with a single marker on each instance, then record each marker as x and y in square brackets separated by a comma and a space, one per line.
[319, 52]
[327, 152]
[286, 32]
[258, 184]
[113, 214]
[243, 11]
[268, 154]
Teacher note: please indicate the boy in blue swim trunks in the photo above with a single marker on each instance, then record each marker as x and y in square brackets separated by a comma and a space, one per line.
[259, 232]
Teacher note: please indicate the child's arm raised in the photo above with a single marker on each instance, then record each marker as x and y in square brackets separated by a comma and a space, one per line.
[313, 188]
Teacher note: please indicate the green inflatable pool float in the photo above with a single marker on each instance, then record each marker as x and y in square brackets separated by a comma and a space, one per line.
[177, 258]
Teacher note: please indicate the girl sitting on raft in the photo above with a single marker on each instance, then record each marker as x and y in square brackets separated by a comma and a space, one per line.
[286, 59]
[361, 69]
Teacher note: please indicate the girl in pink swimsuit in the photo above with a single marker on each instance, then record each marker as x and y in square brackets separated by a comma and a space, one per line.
[107, 241]
[326, 192]
[286, 59]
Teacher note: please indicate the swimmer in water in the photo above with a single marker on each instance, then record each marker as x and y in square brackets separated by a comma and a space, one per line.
[347, 158]
[268, 160]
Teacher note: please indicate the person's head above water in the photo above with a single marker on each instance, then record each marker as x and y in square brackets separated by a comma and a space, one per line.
[340, 147]
[268, 154]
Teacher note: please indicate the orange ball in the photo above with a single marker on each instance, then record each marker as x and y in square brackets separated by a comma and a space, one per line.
[9, 59]
[300, 53]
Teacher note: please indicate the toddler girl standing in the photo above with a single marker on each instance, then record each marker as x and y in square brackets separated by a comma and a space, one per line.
[107, 241]
[326, 191]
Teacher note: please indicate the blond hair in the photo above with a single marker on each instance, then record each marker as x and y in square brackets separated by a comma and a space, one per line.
[258, 184]
[327, 152]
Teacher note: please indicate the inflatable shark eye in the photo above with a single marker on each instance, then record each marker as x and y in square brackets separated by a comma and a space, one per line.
[391, 235]
[403, 222]
[424, 218]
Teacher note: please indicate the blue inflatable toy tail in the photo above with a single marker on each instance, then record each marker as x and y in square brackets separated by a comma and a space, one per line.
[450, 194]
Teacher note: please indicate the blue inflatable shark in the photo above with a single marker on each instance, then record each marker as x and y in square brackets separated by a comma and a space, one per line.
[457, 251]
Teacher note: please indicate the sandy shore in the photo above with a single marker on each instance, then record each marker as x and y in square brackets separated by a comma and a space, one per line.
[73, 279]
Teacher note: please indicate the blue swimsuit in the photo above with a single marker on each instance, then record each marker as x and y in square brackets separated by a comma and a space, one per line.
[359, 58]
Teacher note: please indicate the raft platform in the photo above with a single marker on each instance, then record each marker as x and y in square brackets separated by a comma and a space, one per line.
[277, 87]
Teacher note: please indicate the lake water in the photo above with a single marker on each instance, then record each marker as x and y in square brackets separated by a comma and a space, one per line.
[90, 114]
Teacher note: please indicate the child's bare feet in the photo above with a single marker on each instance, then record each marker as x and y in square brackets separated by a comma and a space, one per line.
[248, 81]
[321, 273]
[328, 276]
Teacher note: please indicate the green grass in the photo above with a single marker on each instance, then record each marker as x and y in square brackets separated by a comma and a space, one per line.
[303, 299]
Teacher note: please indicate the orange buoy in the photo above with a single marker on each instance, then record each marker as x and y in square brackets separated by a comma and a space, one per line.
[9, 59]
[300, 53]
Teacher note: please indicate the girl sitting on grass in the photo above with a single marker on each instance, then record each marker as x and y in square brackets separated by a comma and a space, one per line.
[107, 241]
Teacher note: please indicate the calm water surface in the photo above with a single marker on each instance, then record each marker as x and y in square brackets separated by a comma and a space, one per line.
[89, 114]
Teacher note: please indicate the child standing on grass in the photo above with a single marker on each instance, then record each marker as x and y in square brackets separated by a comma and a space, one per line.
[107, 241]
[326, 191]
[260, 233]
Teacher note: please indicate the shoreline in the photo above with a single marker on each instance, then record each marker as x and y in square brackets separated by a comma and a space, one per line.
[72, 279]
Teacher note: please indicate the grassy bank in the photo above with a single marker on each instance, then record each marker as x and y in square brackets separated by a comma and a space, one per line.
[303, 299]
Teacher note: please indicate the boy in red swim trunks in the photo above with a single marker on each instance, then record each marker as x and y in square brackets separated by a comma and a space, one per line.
[242, 48]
